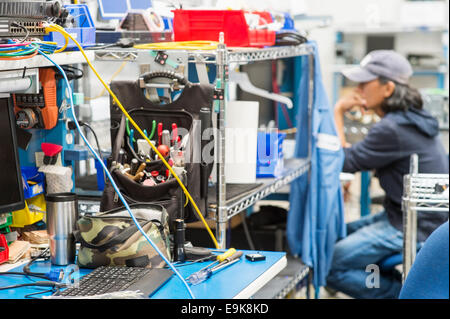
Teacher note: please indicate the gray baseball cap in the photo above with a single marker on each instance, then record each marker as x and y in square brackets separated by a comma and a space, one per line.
[386, 63]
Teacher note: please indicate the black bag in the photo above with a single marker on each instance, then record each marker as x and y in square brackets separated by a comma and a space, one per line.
[183, 111]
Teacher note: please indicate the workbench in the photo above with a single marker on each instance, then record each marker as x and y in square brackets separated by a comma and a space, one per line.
[239, 281]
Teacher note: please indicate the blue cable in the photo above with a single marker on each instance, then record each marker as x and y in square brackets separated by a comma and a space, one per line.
[122, 199]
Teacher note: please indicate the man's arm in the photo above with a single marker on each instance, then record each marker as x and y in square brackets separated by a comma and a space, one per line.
[342, 106]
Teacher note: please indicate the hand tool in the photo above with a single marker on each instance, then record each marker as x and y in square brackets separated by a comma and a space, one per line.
[160, 130]
[152, 132]
[175, 135]
[134, 166]
[128, 129]
[141, 168]
[132, 139]
[165, 140]
[203, 274]
[221, 257]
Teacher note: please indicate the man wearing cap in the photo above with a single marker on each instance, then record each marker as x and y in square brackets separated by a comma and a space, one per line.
[404, 129]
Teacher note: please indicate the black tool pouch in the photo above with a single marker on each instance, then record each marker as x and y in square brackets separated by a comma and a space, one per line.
[184, 111]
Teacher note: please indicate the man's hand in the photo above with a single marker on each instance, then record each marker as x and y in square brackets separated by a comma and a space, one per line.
[345, 103]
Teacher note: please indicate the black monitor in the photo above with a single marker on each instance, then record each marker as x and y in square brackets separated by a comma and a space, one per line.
[11, 187]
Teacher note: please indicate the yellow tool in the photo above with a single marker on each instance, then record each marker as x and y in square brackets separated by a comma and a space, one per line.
[226, 254]
[220, 258]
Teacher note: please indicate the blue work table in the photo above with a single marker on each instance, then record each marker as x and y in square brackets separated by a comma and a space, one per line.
[240, 280]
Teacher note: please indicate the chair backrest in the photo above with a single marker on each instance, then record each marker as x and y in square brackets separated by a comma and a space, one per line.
[428, 277]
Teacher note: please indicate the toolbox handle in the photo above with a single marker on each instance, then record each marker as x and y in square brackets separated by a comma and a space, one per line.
[147, 77]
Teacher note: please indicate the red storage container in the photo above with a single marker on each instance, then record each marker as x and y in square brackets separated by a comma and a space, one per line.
[4, 250]
[206, 25]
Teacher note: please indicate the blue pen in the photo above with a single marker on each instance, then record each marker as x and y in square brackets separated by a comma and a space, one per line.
[131, 139]
[145, 133]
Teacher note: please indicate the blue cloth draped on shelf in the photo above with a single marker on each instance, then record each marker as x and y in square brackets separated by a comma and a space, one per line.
[316, 215]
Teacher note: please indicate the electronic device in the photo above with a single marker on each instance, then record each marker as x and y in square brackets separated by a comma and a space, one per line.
[11, 187]
[108, 279]
[255, 257]
[38, 110]
[117, 9]
[141, 20]
[20, 18]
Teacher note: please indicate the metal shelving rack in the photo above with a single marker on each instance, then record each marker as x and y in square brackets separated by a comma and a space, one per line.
[222, 57]
[419, 195]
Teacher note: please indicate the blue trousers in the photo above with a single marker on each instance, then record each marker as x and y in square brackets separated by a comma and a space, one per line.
[354, 269]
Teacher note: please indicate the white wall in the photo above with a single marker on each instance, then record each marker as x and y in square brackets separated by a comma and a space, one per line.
[368, 13]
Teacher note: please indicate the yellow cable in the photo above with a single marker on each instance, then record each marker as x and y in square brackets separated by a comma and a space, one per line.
[181, 45]
[61, 30]
[112, 78]
[54, 29]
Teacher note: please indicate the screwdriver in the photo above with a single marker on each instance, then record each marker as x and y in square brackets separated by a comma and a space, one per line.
[237, 255]
[203, 274]
[221, 257]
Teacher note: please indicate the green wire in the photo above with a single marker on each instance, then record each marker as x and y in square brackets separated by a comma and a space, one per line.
[153, 129]
[20, 53]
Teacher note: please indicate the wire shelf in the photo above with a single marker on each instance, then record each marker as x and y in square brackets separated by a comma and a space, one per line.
[272, 53]
[235, 55]
[294, 169]
[427, 192]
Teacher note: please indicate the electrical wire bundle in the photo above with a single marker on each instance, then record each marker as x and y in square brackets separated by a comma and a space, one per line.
[17, 50]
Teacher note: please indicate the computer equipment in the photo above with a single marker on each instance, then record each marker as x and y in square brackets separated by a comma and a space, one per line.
[20, 18]
[11, 187]
[117, 9]
[109, 279]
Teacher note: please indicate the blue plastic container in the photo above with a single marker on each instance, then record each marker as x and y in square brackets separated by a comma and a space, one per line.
[30, 173]
[83, 32]
[269, 162]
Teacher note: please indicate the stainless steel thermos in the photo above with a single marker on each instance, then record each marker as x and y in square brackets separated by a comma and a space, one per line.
[62, 215]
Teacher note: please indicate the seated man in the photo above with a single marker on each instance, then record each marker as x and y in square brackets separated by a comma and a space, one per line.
[404, 129]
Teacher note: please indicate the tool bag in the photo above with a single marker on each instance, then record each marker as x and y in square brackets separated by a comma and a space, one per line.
[184, 111]
[112, 237]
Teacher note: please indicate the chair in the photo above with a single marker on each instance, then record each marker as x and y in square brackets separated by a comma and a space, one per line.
[428, 277]
[389, 263]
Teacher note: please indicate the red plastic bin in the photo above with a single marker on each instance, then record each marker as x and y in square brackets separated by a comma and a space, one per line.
[4, 250]
[206, 25]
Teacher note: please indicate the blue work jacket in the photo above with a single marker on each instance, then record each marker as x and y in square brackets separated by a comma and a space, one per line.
[316, 214]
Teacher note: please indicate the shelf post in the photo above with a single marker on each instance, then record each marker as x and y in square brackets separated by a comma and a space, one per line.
[221, 84]
[409, 219]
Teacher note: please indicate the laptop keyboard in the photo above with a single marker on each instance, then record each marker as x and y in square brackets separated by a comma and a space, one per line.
[107, 279]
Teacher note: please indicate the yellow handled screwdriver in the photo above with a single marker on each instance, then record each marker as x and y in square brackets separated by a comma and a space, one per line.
[220, 258]
[227, 260]
[205, 273]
